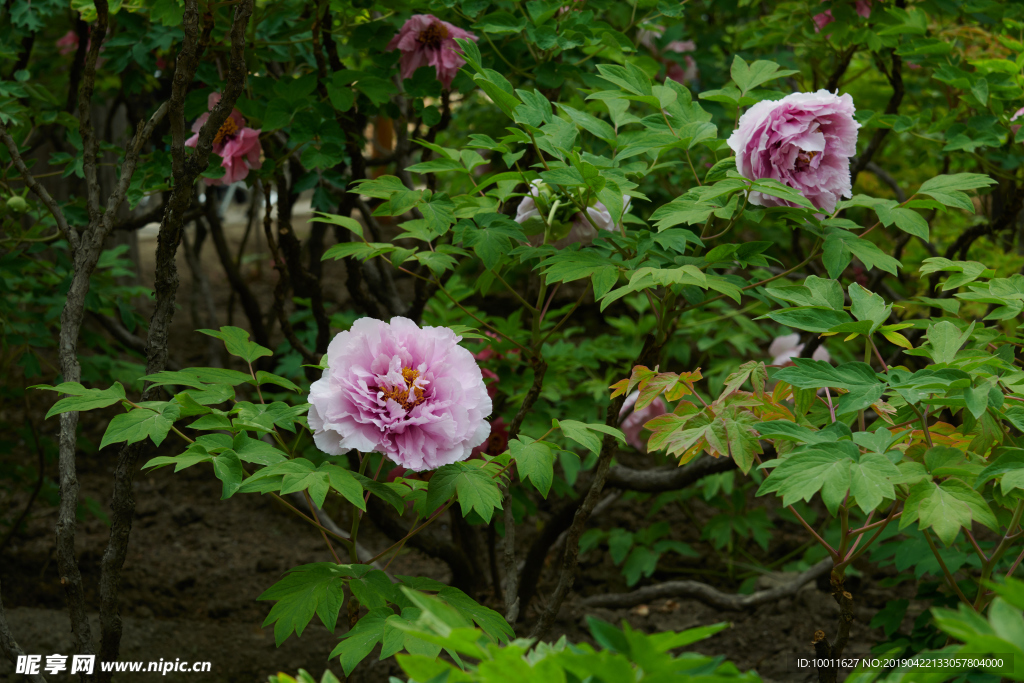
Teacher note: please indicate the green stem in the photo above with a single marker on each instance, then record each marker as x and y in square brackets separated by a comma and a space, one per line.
[997, 554]
[945, 570]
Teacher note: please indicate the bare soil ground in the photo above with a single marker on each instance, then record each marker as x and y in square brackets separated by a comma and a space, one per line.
[196, 564]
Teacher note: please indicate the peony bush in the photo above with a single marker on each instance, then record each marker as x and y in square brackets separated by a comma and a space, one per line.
[567, 299]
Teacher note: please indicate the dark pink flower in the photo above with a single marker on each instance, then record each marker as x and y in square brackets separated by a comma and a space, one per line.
[822, 20]
[68, 43]
[236, 144]
[425, 40]
[633, 424]
[804, 140]
[497, 442]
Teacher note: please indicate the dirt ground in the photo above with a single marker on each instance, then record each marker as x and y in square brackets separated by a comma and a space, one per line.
[196, 564]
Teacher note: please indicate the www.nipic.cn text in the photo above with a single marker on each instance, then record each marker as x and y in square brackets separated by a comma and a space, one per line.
[85, 664]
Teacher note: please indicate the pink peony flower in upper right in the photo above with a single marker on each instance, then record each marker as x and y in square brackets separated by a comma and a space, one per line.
[632, 424]
[236, 144]
[425, 40]
[408, 392]
[805, 141]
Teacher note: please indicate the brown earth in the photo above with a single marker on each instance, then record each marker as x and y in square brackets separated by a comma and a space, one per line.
[196, 564]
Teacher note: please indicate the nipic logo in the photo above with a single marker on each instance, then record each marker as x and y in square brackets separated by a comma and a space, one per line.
[55, 664]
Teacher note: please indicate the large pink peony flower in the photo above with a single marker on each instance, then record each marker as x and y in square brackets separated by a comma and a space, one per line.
[425, 40]
[410, 393]
[633, 423]
[236, 144]
[563, 233]
[804, 140]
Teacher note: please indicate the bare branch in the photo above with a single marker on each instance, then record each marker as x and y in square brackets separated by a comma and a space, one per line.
[62, 223]
[707, 594]
[184, 174]
[667, 478]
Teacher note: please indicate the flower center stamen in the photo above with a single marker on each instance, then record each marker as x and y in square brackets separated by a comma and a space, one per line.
[400, 394]
[433, 35]
[228, 131]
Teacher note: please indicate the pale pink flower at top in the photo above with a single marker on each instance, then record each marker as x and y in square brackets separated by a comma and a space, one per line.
[236, 144]
[787, 347]
[804, 140]
[408, 392]
[633, 423]
[648, 38]
[1017, 115]
[674, 70]
[68, 43]
[425, 40]
[578, 229]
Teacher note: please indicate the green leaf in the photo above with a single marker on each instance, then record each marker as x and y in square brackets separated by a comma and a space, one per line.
[304, 591]
[492, 623]
[871, 481]
[236, 340]
[228, 469]
[802, 474]
[868, 306]
[583, 433]
[472, 482]
[934, 506]
[343, 481]
[492, 239]
[811, 319]
[79, 398]
[535, 460]
[910, 221]
[841, 245]
[255, 451]
[137, 424]
[334, 219]
[361, 639]
[749, 77]
[950, 189]
[945, 340]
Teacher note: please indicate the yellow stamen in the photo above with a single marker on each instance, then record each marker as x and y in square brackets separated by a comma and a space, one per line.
[433, 35]
[400, 394]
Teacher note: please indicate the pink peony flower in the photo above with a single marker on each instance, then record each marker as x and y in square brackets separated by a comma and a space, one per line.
[822, 20]
[425, 40]
[564, 233]
[787, 347]
[632, 424]
[410, 393]
[236, 144]
[804, 140]
[68, 43]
